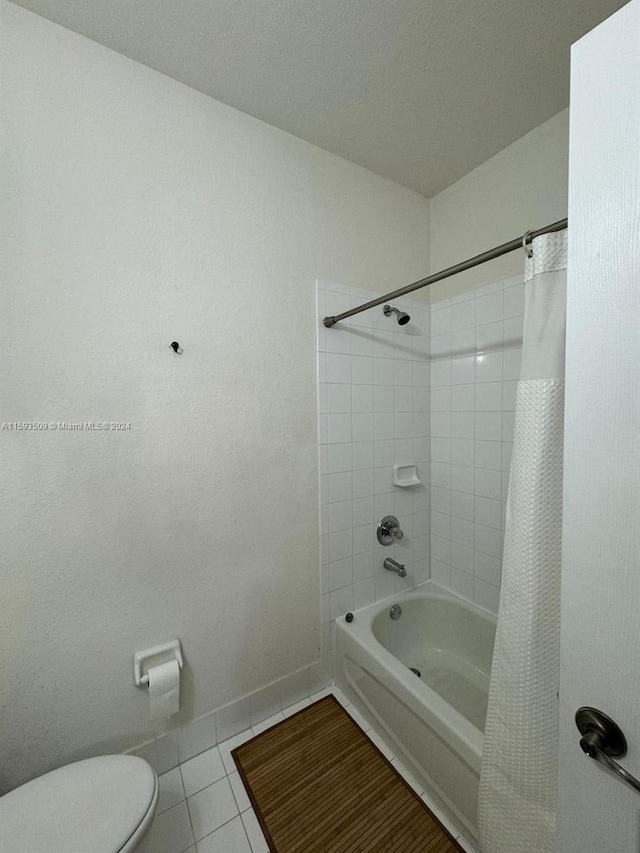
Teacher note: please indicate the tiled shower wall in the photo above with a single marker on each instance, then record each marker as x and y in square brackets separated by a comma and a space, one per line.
[476, 344]
[374, 413]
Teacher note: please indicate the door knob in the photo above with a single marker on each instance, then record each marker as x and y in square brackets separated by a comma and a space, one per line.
[602, 739]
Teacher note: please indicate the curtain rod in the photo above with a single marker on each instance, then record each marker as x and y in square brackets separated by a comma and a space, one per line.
[512, 245]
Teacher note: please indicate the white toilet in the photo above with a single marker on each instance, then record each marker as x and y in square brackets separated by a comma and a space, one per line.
[100, 805]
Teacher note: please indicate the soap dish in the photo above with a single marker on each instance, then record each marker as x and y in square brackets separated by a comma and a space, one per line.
[406, 476]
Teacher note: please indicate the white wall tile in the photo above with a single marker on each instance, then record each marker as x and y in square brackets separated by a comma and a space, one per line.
[441, 573]
[338, 368]
[489, 336]
[461, 557]
[462, 425]
[441, 372]
[488, 426]
[361, 456]
[462, 451]
[440, 321]
[339, 486]
[338, 398]
[361, 398]
[486, 595]
[463, 315]
[488, 484]
[488, 454]
[359, 370]
[514, 301]
[489, 396]
[487, 568]
[480, 338]
[489, 308]
[440, 398]
[374, 412]
[462, 505]
[463, 398]
[488, 512]
[462, 532]
[462, 583]
[511, 368]
[463, 370]
[489, 367]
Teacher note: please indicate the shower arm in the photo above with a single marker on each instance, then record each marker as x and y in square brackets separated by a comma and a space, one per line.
[518, 243]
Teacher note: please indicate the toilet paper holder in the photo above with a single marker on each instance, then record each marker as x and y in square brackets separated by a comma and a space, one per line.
[142, 661]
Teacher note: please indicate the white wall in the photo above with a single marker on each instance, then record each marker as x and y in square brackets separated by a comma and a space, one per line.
[140, 212]
[523, 187]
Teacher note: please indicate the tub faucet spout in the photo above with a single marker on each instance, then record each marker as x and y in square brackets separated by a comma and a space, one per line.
[392, 566]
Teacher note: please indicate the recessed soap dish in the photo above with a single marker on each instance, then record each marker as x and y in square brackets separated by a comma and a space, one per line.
[406, 476]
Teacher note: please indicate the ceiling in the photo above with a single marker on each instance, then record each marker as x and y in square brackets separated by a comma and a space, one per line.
[419, 91]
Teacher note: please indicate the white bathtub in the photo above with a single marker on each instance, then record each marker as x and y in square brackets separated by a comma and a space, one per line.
[435, 721]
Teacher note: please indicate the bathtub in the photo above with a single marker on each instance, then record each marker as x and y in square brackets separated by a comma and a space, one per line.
[435, 720]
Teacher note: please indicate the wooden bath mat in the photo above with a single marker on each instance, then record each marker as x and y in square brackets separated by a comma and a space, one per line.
[319, 785]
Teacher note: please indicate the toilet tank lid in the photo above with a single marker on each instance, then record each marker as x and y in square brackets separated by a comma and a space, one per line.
[99, 804]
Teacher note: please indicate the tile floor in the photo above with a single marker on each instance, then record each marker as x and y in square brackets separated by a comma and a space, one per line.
[204, 808]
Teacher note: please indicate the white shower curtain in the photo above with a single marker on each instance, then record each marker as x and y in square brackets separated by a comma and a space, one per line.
[518, 784]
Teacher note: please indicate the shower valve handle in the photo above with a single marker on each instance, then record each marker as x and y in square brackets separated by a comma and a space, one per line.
[389, 530]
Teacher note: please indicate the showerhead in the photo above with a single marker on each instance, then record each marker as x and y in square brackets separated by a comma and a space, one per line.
[402, 317]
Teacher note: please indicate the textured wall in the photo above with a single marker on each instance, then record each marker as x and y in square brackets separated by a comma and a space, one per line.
[140, 212]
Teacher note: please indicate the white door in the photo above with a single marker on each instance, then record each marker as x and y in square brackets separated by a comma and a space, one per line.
[600, 639]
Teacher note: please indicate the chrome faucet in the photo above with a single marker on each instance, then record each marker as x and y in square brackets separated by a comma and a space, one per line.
[392, 566]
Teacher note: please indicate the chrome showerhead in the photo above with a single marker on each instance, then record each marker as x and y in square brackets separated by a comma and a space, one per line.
[402, 317]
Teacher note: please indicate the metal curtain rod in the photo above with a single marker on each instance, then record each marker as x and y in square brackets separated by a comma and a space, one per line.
[505, 248]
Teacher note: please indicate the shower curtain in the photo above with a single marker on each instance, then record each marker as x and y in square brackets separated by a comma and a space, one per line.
[518, 784]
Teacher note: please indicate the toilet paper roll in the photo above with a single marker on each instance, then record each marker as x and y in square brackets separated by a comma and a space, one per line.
[164, 689]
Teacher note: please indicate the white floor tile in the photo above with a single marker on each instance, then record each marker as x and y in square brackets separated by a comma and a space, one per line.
[230, 838]
[228, 745]
[268, 723]
[202, 771]
[170, 832]
[239, 792]
[211, 808]
[254, 833]
[171, 790]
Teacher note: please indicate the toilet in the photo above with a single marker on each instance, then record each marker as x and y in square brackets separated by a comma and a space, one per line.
[99, 805]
